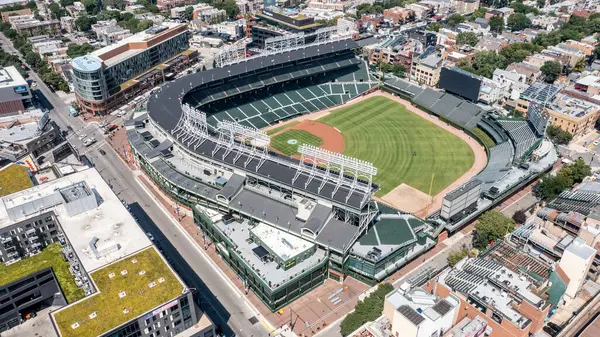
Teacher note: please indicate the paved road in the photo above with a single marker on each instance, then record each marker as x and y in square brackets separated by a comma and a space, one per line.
[223, 305]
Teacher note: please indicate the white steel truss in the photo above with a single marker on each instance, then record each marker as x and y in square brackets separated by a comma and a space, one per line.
[335, 167]
[283, 43]
[192, 127]
[229, 55]
[252, 142]
[325, 34]
[345, 27]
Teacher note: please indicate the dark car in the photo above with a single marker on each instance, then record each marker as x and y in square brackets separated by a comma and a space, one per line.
[550, 331]
[102, 152]
[555, 326]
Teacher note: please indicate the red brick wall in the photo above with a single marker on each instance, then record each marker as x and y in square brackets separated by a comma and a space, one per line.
[11, 107]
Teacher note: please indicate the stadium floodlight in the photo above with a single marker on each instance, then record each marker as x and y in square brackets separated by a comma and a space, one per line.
[253, 143]
[278, 44]
[192, 127]
[229, 55]
[335, 167]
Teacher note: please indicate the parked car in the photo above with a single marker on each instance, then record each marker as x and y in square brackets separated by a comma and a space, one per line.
[102, 152]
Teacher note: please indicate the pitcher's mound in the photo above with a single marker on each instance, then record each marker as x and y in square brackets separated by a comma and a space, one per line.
[407, 198]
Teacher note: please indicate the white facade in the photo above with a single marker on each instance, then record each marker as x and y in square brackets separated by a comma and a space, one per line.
[512, 82]
[576, 262]
[418, 313]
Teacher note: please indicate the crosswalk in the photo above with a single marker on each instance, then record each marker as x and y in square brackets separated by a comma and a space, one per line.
[93, 147]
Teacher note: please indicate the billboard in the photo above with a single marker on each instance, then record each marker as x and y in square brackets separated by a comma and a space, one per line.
[460, 83]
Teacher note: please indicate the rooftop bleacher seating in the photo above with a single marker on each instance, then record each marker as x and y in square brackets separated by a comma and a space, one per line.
[521, 134]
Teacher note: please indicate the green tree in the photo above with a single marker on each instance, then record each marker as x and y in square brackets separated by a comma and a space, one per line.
[91, 6]
[549, 186]
[517, 52]
[434, 27]
[189, 13]
[519, 217]
[65, 3]
[76, 50]
[469, 38]
[230, 6]
[366, 310]
[519, 7]
[580, 170]
[580, 66]
[479, 13]
[541, 3]
[33, 59]
[84, 22]
[109, 15]
[484, 63]
[144, 24]
[551, 70]
[11, 34]
[558, 135]
[457, 255]
[492, 226]
[56, 12]
[455, 19]
[496, 24]
[518, 21]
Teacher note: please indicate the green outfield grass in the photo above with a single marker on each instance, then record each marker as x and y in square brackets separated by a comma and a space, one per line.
[385, 133]
[280, 142]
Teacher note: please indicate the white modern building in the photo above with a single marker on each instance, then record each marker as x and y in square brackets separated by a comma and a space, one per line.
[576, 262]
[418, 313]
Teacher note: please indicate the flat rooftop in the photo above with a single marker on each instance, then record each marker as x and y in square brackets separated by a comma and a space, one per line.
[136, 38]
[10, 77]
[108, 224]
[50, 257]
[14, 178]
[19, 134]
[573, 107]
[270, 272]
[285, 245]
[127, 288]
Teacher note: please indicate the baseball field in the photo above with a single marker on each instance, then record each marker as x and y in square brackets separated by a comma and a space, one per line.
[405, 147]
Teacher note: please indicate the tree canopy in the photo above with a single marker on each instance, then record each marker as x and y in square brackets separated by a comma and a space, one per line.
[550, 186]
[551, 70]
[457, 255]
[76, 50]
[519, 216]
[517, 52]
[518, 21]
[366, 310]
[484, 63]
[496, 24]
[558, 135]
[492, 226]
[455, 19]
[468, 38]
[230, 7]
[84, 22]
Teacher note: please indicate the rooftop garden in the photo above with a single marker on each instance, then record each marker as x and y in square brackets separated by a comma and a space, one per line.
[50, 257]
[126, 289]
[13, 179]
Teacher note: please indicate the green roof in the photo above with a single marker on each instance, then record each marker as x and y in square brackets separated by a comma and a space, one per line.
[50, 257]
[13, 179]
[389, 231]
[132, 275]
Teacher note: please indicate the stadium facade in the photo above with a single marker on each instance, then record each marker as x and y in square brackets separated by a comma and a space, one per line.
[283, 225]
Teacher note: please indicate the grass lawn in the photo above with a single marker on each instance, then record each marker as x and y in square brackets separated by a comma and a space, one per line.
[489, 142]
[13, 179]
[280, 142]
[385, 133]
[281, 127]
[51, 257]
[109, 306]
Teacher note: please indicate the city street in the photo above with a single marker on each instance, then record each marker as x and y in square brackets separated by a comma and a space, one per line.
[223, 305]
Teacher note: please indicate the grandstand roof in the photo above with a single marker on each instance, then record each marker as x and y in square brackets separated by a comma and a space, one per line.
[165, 106]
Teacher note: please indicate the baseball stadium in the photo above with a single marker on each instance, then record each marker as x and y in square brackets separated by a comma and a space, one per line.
[299, 165]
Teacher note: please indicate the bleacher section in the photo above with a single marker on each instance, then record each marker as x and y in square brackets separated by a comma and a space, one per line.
[493, 130]
[521, 134]
[454, 108]
[500, 160]
[268, 104]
